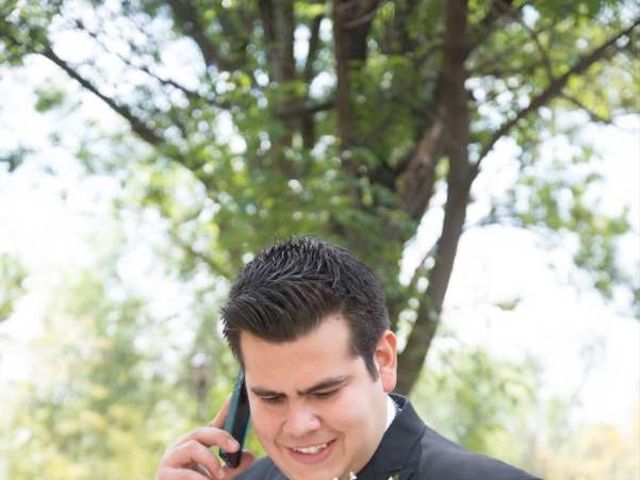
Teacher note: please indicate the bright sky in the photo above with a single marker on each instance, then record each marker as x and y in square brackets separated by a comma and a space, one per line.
[584, 345]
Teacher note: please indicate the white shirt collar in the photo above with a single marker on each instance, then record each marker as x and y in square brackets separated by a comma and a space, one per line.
[392, 410]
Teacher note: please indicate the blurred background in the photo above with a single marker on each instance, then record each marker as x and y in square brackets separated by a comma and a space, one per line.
[482, 156]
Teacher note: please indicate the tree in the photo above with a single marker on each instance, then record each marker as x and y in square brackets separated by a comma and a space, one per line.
[349, 119]
[475, 400]
[112, 383]
[96, 401]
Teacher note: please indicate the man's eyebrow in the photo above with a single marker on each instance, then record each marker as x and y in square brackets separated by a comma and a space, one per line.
[325, 384]
[265, 392]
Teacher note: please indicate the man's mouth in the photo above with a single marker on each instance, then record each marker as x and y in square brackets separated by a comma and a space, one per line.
[312, 454]
[312, 450]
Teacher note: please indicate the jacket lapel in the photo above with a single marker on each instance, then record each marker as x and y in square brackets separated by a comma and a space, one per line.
[392, 458]
[404, 474]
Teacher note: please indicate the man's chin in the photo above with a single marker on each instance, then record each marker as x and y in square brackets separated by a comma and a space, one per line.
[318, 473]
[319, 476]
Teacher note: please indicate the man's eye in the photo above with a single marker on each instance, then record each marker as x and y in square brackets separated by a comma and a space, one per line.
[272, 400]
[325, 394]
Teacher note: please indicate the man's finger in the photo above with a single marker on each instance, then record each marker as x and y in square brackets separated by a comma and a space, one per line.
[247, 460]
[209, 437]
[193, 453]
[221, 416]
[173, 474]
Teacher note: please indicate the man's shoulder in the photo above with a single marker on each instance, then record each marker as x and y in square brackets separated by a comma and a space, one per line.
[442, 459]
[436, 457]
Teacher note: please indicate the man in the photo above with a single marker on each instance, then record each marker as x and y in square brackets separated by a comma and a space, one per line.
[309, 325]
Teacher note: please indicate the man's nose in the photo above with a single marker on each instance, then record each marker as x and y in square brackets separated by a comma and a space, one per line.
[300, 420]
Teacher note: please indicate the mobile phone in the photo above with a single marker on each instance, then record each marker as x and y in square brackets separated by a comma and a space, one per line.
[237, 421]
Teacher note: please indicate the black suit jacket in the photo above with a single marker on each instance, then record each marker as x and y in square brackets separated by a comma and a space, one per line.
[410, 450]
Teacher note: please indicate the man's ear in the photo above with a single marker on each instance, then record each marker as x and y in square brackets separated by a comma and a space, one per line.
[386, 360]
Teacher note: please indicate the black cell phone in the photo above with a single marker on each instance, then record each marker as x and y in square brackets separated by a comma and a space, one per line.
[237, 421]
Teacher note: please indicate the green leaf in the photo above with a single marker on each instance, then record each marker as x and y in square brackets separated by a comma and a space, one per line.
[49, 99]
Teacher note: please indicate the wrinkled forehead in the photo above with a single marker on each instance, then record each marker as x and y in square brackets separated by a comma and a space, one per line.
[326, 350]
[334, 327]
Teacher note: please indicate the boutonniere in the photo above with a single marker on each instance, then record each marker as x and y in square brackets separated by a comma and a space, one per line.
[352, 476]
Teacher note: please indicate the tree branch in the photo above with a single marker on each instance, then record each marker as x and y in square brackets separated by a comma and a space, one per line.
[188, 249]
[237, 24]
[555, 88]
[314, 44]
[508, 52]
[595, 117]
[496, 11]
[189, 20]
[454, 111]
[501, 71]
[350, 47]
[138, 126]
[535, 36]
[398, 38]
[303, 108]
[143, 68]
[277, 24]
[415, 184]
[421, 270]
[499, 9]
[364, 19]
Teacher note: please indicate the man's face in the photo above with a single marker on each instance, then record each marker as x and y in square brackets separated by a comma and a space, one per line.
[314, 406]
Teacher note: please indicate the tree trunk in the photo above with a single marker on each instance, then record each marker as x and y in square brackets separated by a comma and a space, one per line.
[455, 114]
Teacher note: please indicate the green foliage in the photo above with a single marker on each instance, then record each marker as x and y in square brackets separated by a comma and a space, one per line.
[234, 159]
[12, 276]
[90, 395]
[257, 173]
[239, 152]
[590, 451]
[23, 28]
[476, 399]
[49, 99]
[14, 158]
[497, 407]
[554, 196]
[105, 396]
[309, 10]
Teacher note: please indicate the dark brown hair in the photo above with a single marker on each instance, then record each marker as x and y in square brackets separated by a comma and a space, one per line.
[288, 289]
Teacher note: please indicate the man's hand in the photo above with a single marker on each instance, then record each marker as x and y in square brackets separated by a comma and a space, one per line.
[190, 458]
